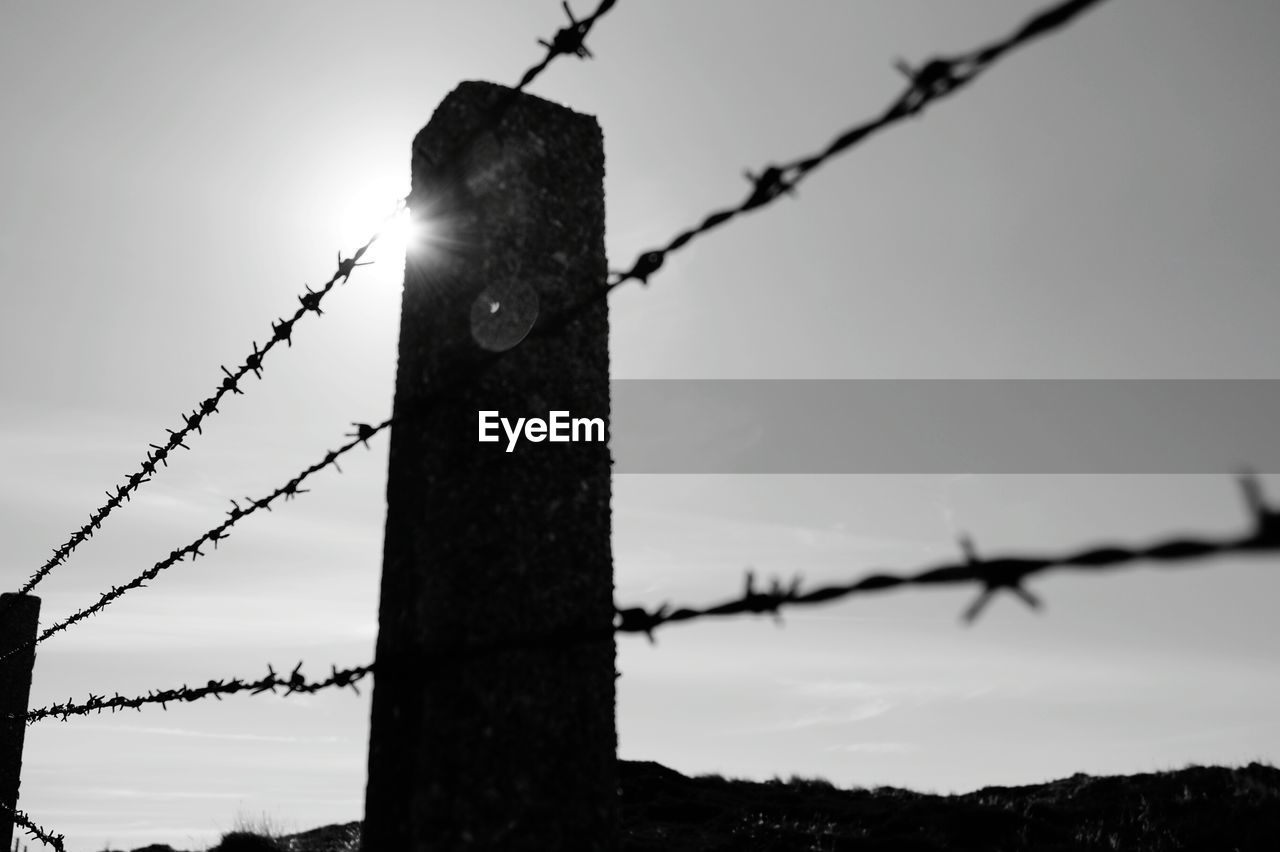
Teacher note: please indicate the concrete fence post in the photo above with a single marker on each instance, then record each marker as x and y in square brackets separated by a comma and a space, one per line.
[19, 620]
[489, 544]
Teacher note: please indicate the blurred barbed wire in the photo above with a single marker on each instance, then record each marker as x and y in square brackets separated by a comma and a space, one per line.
[994, 574]
[568, 41]
[934, 79]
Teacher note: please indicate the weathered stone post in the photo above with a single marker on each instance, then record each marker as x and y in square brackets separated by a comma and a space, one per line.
[481, 737]
[19, 620]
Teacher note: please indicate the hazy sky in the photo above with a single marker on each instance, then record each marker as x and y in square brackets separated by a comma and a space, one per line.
[1100, 205]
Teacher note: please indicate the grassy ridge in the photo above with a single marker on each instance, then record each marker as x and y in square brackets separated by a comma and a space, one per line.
[1212, 808]
[1194, 808]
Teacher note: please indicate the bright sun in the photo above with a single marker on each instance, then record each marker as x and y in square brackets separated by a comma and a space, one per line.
[395, 233]
[383, 213]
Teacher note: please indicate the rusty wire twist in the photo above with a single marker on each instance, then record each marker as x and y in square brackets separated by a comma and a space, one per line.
[294, 682]
[934, 79]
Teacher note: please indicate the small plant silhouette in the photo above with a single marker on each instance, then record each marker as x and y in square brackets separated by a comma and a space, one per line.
[247, 841]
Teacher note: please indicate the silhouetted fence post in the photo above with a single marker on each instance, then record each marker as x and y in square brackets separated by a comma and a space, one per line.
[19, 619]
[512, 748]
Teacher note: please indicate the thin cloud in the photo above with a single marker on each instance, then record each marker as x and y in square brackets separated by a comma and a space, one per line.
[125, 793]
[917, 692]
[826, 716]
[834, 688]
[832, 702]
[876, 748]
[183, 732]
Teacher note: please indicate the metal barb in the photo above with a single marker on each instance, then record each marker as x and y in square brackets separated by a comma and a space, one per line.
[935, 79]
[283, 330]
[311, 300]
[363, 433]
[768, 185]
[46, 837]
[639, 620]
[348, 265]
[569, 40]
[230, 382]
[1266, 521]
[254, 361]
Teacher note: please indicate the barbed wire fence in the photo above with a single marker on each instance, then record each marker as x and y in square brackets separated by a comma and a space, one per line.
[282, 332]
[992, 574]
[935, 79]
[295, 682]
[932, 80]
[567, 41]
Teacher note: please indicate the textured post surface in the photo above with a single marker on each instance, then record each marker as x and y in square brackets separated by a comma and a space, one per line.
[512, 749]
[19, 619]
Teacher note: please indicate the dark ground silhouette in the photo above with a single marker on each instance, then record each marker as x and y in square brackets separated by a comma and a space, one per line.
[664, 811]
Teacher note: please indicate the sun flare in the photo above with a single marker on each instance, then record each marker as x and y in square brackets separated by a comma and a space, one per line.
[386, 216]
[397, 232]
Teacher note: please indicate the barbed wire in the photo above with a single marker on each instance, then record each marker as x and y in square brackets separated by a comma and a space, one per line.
[282, 331]
[994, 574]
[41, 834]
[569, 40]
[294, 682]
[360, 436]
[937, 78]
[933, 80]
